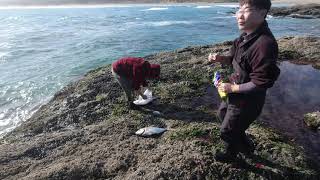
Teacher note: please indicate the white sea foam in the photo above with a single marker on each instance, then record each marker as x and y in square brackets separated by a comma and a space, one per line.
[13, 18]
[3, 121]
[168, 23]
[228, 5]
[18, 103]
[269, 17]
[203, 7]
[155, 24]
[3, 57]
[64, 18]
[156, 9]
[4, 132]
[13, 117]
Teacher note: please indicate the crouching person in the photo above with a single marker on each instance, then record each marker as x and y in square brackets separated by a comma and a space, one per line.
[131, 73]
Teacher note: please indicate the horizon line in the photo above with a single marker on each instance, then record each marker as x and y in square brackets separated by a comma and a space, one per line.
[101, 5]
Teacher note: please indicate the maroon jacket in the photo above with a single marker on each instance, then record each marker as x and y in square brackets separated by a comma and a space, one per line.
[135, 69]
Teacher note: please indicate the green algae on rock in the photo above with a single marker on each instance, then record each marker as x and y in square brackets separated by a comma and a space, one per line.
[312, 120]
[307, 11]
[85, 132]
[300, 50]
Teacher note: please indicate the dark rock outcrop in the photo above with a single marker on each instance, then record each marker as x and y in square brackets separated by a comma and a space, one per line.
[85, 132]
[308, 11]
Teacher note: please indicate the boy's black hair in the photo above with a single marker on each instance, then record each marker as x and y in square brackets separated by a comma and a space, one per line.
[260, 4]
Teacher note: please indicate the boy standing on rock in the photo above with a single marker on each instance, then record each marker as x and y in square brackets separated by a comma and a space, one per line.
[253, 57]
[131, 73]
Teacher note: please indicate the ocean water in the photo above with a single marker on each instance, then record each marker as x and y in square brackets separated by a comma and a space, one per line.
[43, 49]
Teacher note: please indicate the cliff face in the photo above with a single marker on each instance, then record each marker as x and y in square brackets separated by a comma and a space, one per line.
[85, 132]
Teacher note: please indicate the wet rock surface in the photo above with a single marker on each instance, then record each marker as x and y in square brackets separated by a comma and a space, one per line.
[86, 132]
[300, 50]
[308, 11]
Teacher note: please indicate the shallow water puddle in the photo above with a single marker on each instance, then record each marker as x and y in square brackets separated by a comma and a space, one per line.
[295, 93]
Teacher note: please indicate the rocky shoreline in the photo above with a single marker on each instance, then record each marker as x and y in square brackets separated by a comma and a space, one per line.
[85, 132]
[300, 50]
[308, 11]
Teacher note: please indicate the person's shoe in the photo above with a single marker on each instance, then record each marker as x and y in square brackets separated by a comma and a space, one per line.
[249, 148]
[225, 156]
[248, 151]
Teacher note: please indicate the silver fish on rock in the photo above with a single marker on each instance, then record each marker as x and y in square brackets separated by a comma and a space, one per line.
[150, 131]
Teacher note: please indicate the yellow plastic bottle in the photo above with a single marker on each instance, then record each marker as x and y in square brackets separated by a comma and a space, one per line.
[216, 79]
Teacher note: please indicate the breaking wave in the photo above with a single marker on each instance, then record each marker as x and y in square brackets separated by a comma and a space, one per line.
[203, 7]
[169, 23]
[228, 5]
[156, 9]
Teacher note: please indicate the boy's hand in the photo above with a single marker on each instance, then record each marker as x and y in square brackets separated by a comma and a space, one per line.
[214, 57]
[228, 88]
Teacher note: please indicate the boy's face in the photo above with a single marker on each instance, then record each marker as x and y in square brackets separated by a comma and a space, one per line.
[250, 18]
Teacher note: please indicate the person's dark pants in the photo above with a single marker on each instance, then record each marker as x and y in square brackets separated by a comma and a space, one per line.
[236, 114]
[126, 85]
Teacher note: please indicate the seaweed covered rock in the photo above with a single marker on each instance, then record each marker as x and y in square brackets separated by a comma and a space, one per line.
[86, 132]
[308, 11]
[312, 120]
[300, 50]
